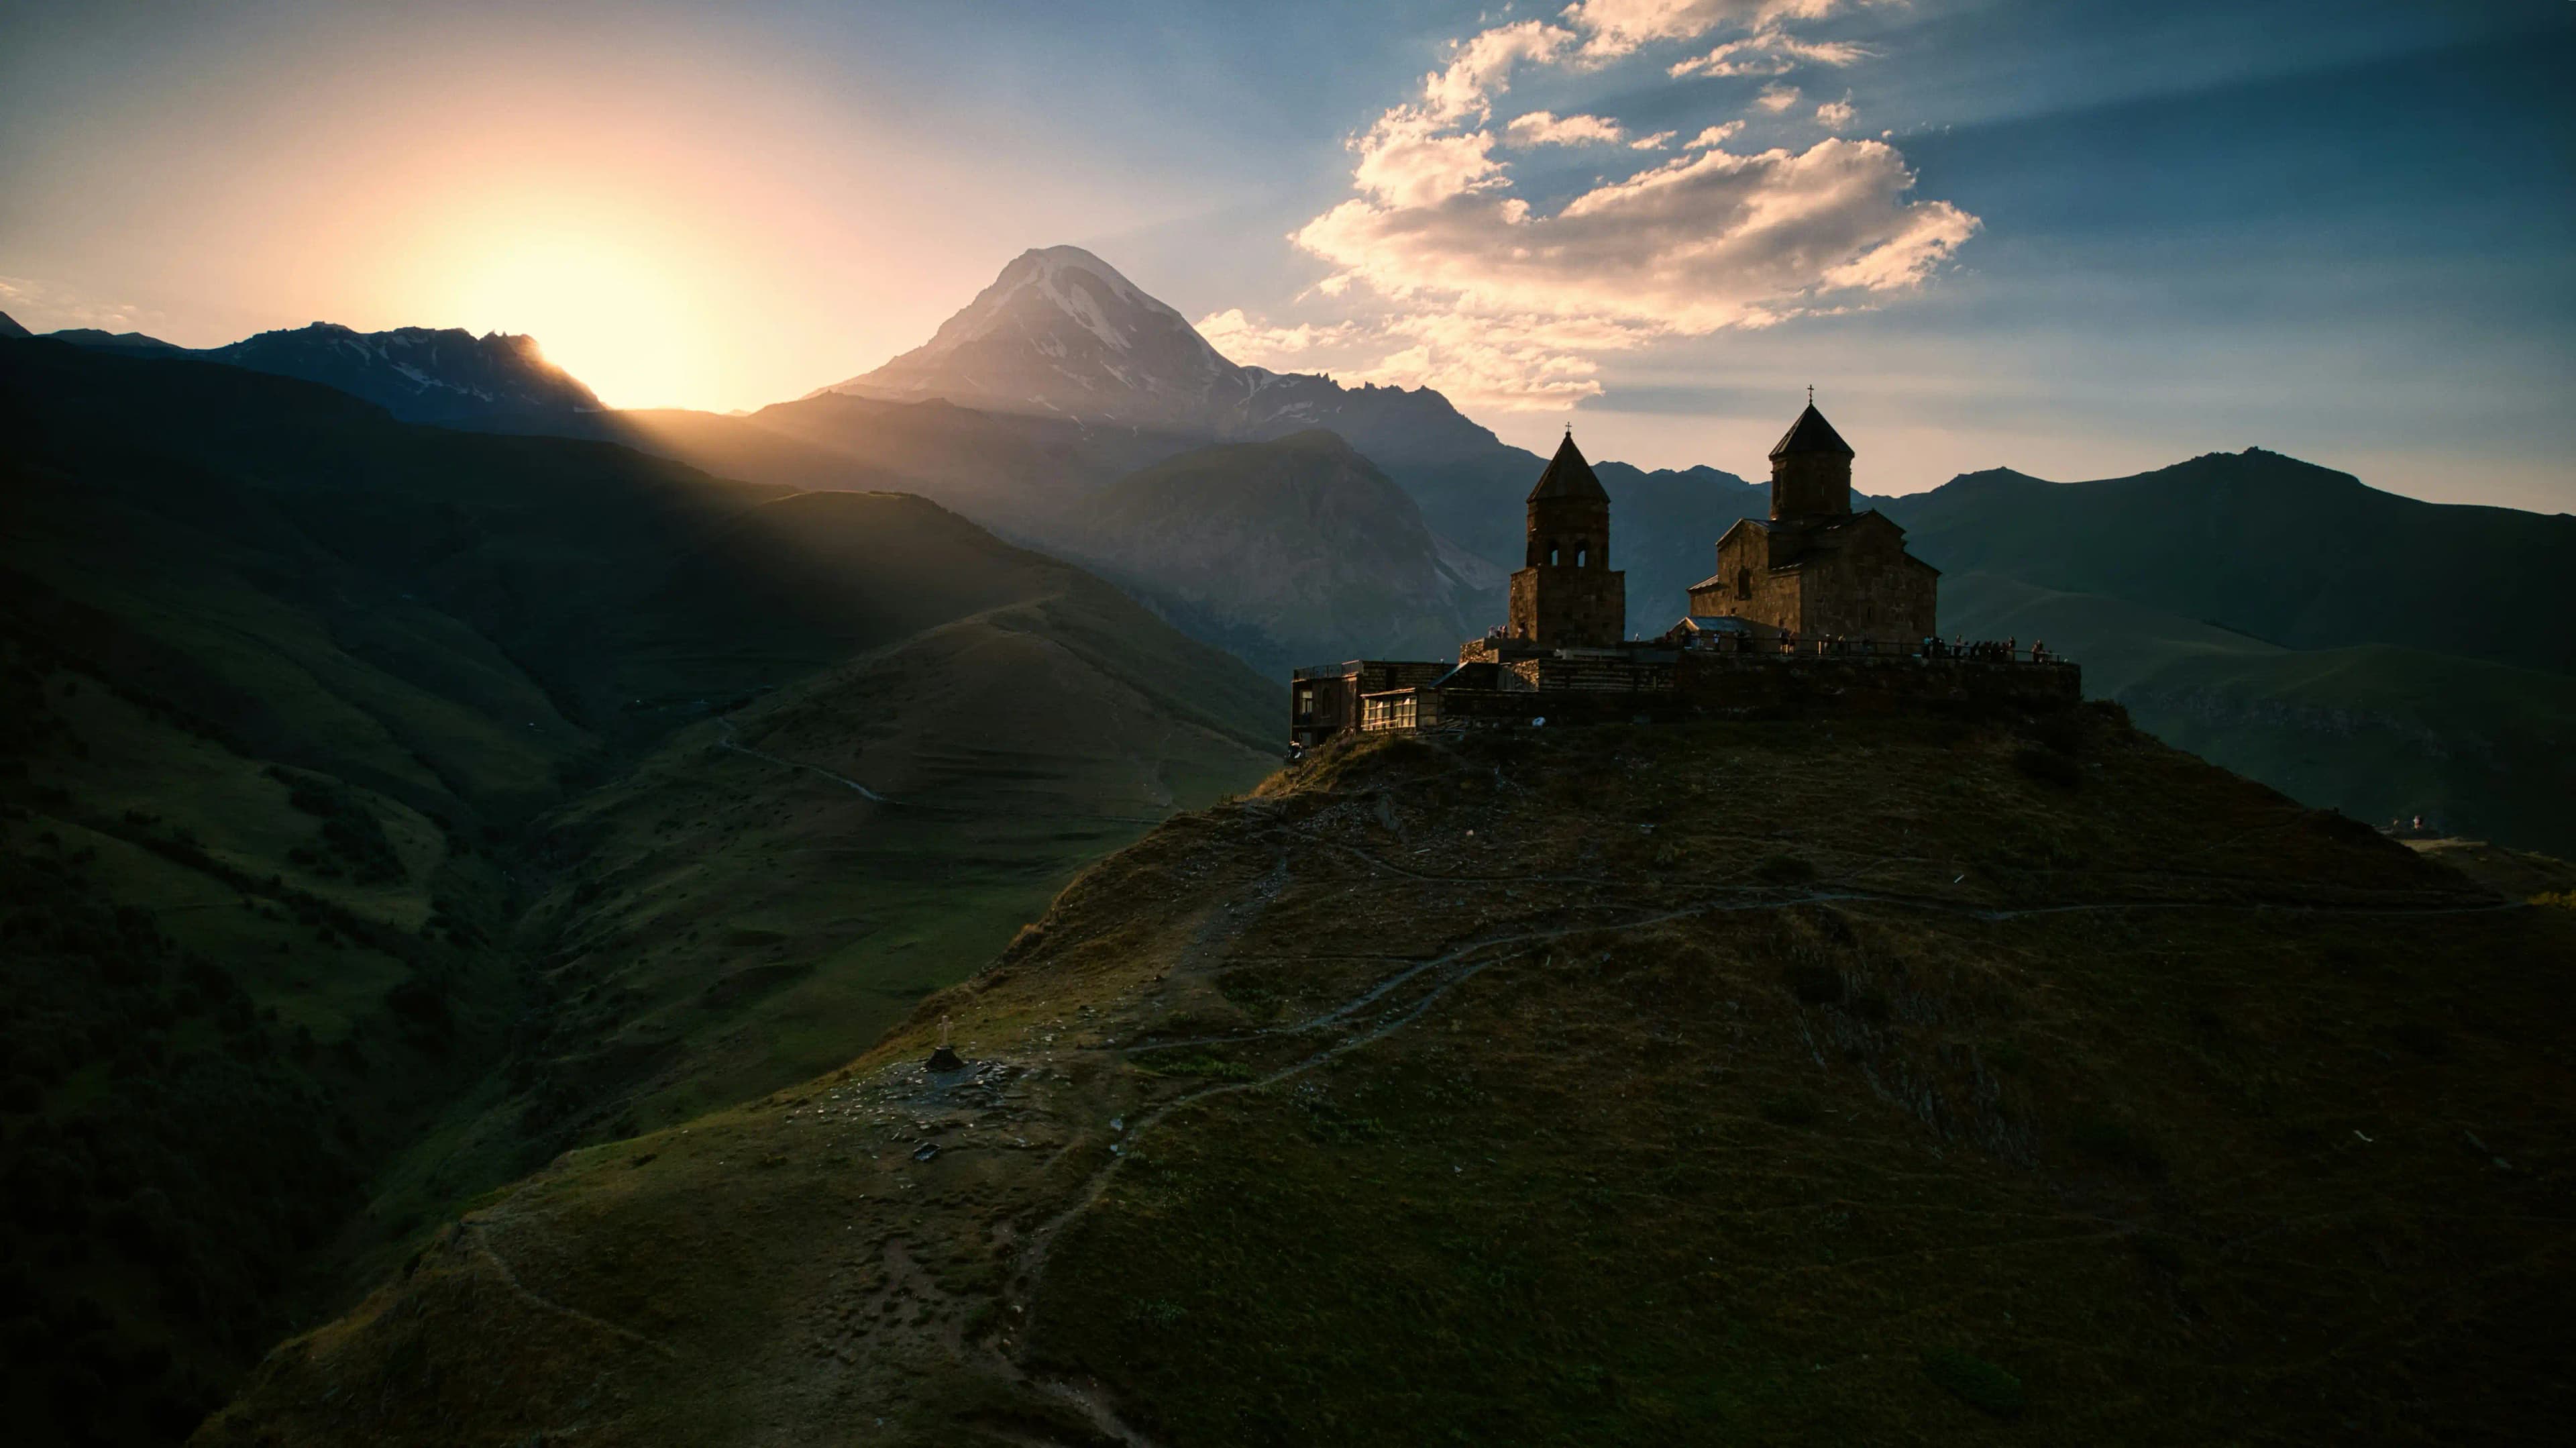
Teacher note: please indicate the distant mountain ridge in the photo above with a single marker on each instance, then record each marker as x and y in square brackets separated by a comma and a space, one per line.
[419, 374]
[1283, 551]
[2283, 550]
[115, 341]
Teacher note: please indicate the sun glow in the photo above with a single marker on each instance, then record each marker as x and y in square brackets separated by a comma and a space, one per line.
[602, 313]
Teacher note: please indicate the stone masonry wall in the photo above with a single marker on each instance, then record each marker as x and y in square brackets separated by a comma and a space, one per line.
[1570, 608]
[1870, 684]
[1870, 591]
[1745, 558]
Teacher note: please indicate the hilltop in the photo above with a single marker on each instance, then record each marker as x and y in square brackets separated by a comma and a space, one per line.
[1763, 1081]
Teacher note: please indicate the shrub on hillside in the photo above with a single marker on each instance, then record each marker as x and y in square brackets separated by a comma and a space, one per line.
[2048, 766]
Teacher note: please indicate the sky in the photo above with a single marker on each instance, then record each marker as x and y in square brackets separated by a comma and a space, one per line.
[2080, 238]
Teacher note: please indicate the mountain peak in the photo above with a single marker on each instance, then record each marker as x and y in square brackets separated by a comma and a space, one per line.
[1060, 331]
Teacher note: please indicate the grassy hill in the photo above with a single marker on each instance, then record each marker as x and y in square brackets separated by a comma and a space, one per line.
[2377, 731]
[1746, 1082]
[384, 809]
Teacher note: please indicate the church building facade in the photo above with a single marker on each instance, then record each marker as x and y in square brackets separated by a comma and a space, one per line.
[1814, 568]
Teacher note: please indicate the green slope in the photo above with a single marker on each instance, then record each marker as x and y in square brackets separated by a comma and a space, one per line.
[367, 833]
[2376, 731]
[1708, 1083]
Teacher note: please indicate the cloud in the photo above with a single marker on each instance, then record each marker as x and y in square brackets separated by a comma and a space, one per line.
[42, 306]
[1406, 159]
[1487, 363]
[1543, 128]
[1245, 340]
[1443, 276]
[1769, 52]
[1598, 31]
[1615, 28]
[1481, 68]
[1703, 242]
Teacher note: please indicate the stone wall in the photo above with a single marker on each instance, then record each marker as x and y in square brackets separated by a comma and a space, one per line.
[1867, 586]
[1596, 675]
[1870, 589]
[1719, 685]
[1570, 608]
[1748, 588]
[1712, 681]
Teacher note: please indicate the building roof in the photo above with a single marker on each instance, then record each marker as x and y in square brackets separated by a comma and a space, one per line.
[1811, 434]
[1568, 475]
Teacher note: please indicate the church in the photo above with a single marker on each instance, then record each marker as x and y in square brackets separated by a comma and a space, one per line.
[1815, 608]
[1814, 568]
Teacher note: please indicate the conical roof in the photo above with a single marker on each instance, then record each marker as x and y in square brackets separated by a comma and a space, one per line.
[1811, 434]
[1568, 475]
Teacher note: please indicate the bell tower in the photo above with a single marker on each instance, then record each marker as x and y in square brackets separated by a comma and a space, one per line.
[1811, 468]
[1567, 595]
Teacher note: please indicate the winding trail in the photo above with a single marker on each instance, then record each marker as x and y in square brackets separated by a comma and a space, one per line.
[483, 1248]
[727, 742]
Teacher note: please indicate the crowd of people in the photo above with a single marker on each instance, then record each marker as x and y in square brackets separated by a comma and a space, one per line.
[1986, 650]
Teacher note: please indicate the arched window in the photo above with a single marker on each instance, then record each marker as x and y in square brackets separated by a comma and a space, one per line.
[1744, 583]
[1582, 553]
[1552, 551]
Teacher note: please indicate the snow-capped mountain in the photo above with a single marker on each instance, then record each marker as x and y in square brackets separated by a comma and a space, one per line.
[420, 374]
[1060, 331]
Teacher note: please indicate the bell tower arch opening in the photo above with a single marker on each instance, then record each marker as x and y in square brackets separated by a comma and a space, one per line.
[1569, 596]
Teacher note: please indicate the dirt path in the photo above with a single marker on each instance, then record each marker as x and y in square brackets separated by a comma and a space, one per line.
[483, 1249]
[727, 742]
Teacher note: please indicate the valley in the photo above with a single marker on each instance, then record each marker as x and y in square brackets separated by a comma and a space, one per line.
[372, 833]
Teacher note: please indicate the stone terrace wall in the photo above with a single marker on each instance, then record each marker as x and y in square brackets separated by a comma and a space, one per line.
[1868, 684]
[1597, 676]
